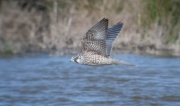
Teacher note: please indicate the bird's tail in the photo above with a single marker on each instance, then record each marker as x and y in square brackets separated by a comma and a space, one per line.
[120, 62]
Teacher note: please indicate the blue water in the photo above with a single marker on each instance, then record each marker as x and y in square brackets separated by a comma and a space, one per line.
[55, 81]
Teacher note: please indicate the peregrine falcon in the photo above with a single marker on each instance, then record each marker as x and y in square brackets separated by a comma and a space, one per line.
[97, 45]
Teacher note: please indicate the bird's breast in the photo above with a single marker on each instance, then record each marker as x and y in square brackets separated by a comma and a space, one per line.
[95, 59]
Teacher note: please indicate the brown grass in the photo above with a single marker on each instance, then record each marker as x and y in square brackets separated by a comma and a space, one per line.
[57, 26]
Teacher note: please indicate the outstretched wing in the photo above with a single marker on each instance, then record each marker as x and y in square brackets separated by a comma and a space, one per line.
[95, 38]
[98, 39]
[112, 33]
[98, 31]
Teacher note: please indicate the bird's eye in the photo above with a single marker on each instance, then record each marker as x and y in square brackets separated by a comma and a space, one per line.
[75, 59]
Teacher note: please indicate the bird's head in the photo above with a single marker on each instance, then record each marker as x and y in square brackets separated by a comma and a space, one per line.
[78, 59]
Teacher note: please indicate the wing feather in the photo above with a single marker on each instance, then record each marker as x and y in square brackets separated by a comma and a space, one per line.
[112, 33]
[99, 40]
[97, 46]
[98, 31]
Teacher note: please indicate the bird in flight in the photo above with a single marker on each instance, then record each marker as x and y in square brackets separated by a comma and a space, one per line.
[97, 45]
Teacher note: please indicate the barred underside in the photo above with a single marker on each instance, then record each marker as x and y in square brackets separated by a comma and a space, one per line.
[91, 58]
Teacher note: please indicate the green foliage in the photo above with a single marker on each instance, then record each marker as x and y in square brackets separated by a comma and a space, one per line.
[119, 6]
[7, 49]
[166, 13]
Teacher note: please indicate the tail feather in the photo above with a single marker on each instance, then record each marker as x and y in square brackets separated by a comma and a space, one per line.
[125, 63]
[120, 62]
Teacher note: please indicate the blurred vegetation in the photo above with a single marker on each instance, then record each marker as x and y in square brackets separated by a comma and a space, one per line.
[165, 13]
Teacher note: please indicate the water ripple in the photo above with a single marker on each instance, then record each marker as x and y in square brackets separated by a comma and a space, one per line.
[48, 80]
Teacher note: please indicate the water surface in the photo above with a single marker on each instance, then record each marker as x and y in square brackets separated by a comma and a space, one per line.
[55, 81]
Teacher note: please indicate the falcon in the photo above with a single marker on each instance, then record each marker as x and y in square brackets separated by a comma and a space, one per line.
[97, 45]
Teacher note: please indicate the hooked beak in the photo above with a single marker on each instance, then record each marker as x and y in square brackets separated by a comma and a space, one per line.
[72, 60]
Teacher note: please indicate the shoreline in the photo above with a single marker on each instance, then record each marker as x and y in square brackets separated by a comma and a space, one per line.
[115, 51]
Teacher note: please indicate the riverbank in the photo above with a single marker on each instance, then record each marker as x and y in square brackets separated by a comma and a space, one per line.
[56, 27]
